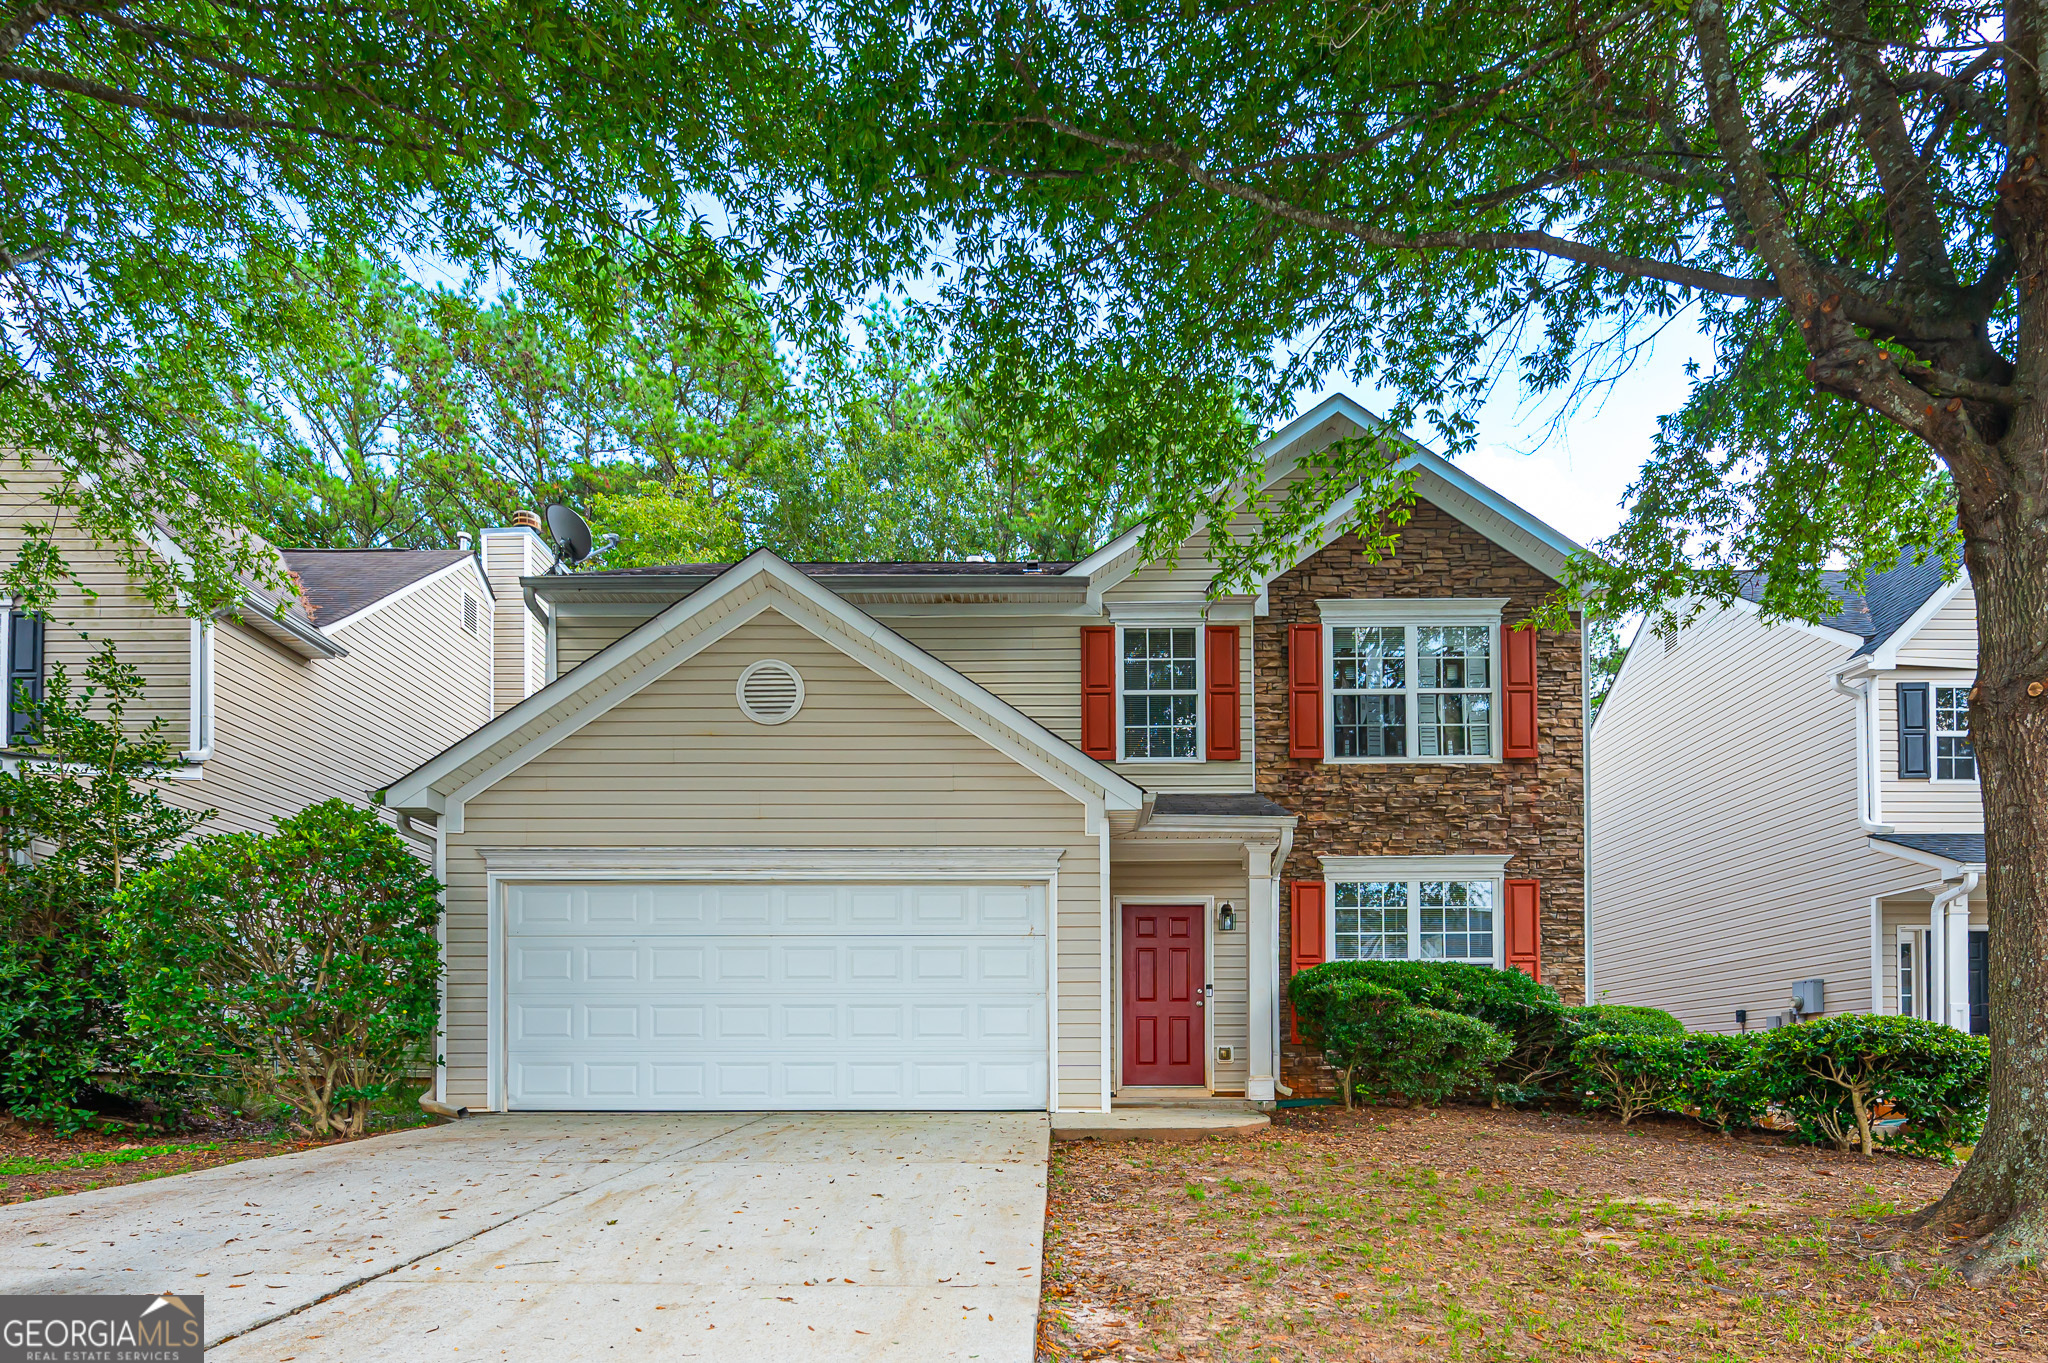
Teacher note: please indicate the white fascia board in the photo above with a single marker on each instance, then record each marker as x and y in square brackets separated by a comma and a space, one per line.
[776, 863]
[775, 584]
[1401, 868]
[468, 564]
[1885, 656]
[1948, 867]
[1448, 610]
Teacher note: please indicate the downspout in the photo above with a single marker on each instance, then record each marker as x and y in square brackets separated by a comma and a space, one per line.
[1869, 793]
[1950, 915]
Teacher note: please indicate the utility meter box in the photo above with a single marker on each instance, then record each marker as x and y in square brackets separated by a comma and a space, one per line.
[1809, 997]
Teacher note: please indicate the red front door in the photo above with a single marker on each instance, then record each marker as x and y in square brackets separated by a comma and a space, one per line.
[1163, 994]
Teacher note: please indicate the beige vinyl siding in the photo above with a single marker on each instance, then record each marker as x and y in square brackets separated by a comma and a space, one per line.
[289, 732]
[1916, 806]
[578, 637]
[519, 643]
[1726, 857]
[1187, 882]
[862, 765]
[158, 645]
[1949, 638]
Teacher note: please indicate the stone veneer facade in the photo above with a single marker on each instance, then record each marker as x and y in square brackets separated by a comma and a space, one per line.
[1531, 811]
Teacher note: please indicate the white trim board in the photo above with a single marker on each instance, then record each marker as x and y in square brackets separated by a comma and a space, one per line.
[1885, 656]
[421, 584]
[1397, 868]
[775, 863]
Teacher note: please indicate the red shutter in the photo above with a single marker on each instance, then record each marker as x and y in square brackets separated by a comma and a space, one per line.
[1524, 928]
[1305, 692]
[1221, 662]
[1518, 679]
[1098, 691]
[1304, 934]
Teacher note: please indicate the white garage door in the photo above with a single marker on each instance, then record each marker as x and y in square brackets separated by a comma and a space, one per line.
[673, 997]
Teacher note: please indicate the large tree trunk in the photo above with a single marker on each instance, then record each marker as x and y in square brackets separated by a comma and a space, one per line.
[2002, 1193]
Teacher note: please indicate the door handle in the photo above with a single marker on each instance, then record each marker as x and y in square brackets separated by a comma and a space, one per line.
[1202, 994]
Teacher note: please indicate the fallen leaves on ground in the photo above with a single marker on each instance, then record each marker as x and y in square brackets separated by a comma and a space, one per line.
[1393, 1235]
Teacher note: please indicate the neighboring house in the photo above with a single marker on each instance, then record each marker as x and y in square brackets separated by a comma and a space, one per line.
[367, 660]
[1002, 835]
[1794, 802]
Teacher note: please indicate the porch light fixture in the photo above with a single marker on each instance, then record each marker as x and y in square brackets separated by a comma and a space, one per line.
[1226, 918]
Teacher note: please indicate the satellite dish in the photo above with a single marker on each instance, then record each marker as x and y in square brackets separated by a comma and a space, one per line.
[571, 535]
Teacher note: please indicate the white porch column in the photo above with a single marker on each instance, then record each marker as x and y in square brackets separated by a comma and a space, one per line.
[1262, 973]
[1955, 962]
[1936, 989]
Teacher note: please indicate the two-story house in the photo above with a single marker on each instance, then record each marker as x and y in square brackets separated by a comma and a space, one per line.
[1772, 804]
[357, 662]
[1003, 835]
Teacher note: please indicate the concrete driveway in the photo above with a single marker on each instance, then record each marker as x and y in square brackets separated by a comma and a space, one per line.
[544, 1237]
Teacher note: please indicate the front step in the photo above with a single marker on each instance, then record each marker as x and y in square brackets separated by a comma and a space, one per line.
[1160, 1122]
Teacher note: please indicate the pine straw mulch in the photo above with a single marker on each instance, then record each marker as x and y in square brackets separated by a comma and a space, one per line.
[34, 1163]
[1389, 1234]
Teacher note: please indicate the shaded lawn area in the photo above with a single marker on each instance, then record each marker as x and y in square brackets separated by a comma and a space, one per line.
[1386, 1234]
[35, 1164]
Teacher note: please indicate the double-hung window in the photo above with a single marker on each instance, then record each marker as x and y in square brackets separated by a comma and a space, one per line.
[1414, 679]
[1161, 693]
[1434, 909]
[1954, 758]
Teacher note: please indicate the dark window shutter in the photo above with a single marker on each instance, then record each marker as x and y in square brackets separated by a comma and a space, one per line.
[1305, 691]
[24, 674]
[1518, 686]
[1098, 692]
[1223, 694]
[1523, 928]
[1914, 744]
[1305, 946]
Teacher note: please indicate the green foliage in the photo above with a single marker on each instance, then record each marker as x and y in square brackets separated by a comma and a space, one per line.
[682, 430]
[1622, 1018]
[1383, 1047]
[1527, 1013]
[304, 963]
[1723, 1085]
[83, 809]
[1631, 1072]
[173, 165]
[1834, 1077]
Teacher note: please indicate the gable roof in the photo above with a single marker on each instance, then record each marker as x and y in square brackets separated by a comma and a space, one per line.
[760, 582]
[335, 584]
[1437, 480]
[1889, 601]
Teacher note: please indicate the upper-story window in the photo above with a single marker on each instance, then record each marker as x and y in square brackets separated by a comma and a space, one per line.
[1413, 679]
[1954, 758]
[1160, 693]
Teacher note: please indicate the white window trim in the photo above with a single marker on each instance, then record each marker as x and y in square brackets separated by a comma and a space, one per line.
[1415, 869]
[1407, 612]
[1935, 733]
[1917, 939]
[202, 694]
[1201, 752]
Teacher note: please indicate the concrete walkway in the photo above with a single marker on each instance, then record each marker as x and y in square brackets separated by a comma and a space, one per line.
[729, 1237]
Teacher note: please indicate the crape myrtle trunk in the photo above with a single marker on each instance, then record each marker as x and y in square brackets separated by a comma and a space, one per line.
[2002, 1193]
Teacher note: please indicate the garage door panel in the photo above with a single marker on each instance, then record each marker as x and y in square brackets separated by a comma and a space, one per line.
[801, 996]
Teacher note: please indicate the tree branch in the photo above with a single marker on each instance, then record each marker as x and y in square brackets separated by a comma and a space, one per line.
[1917, 234]
[177, 113]
[1541, 243]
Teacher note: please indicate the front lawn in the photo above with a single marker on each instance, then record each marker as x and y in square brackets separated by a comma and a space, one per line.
[1389, 1234]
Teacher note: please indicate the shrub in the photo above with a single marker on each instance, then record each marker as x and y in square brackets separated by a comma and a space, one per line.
[1722, 1084]
[303, 962]
[1619, 1018]
[1528, 1014]
[1382, 1046]
[1632, 1072]
[83, 810]
[1831, 1077]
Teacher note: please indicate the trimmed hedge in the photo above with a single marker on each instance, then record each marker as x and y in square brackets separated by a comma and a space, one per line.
[1528, 1014]
[1621, 1018]
[1384, 1047]
[1834, 1079]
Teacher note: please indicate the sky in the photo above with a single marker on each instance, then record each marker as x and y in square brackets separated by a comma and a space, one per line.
[1572, 477]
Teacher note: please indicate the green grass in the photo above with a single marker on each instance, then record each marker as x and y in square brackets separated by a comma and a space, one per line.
[95, 1159]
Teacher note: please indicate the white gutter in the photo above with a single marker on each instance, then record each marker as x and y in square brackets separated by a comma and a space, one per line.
[1869, 789]
[1949, 924]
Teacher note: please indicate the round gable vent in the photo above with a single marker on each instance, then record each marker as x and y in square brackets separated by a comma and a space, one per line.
[770, 691]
